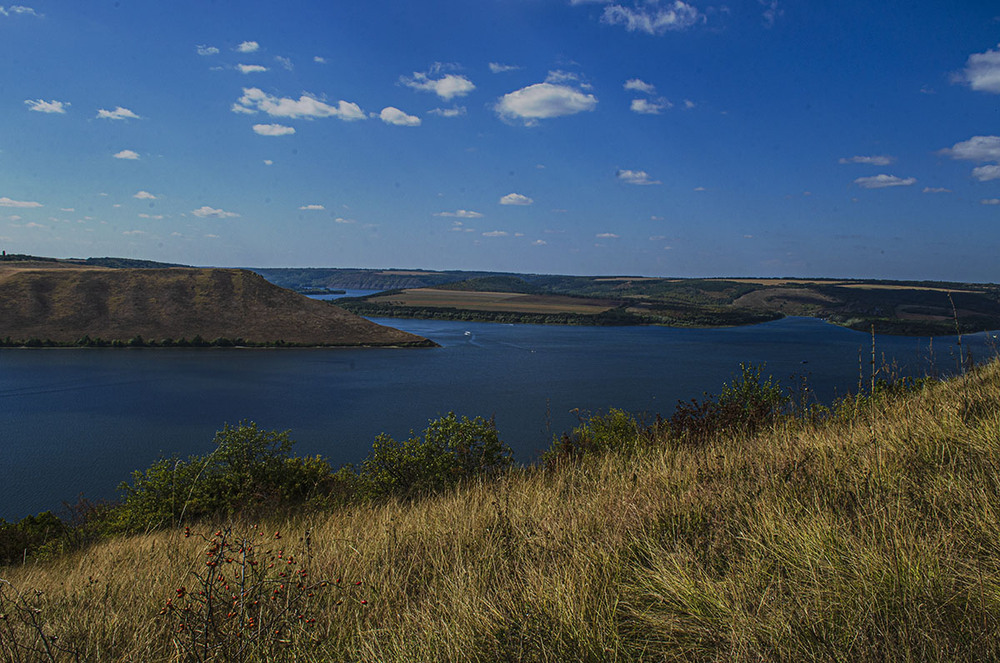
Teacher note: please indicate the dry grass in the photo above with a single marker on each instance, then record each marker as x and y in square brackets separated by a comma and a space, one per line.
[872, 537]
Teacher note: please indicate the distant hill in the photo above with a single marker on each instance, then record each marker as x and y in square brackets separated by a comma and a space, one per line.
[64, 302]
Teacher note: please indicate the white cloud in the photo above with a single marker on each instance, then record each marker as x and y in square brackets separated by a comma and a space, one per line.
[448, 112]
[127, 154]
[343, 220]
[446, 87]
[284, 62]
[319, 60]
[607, 236]
[647, 107]
[990, 201]
[771, 12]
[498, 68]
[202, 49]
[515, 199]
[67, 209]
[392, 115]
[268, 162]
[205, 212]
[248, 47]
[652, 18]
[883, 181]
[879, 160]
[689, 104]
[151, 216]
[539, 242]
[495, 233]
[640, 177]
[134, 232]
[977, 148]
[936, 189]
[255, 99]
[19, 10]
[144, 195]
[312, 207]
[7, 202]
[251, 68]
[542, 101]
[639, 85]
[461, 214]
[118, 113]
[986, 173]
[982, 71]
[42, 106]
[558, 77]
[273, 130]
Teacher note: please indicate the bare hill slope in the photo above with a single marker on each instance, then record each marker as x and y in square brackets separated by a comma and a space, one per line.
[63, 303]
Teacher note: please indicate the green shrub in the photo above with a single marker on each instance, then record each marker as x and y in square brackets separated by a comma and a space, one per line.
[615, 431]
[251, 471]
[450, 451]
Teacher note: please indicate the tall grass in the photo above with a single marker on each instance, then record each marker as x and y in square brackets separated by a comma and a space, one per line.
[869, 535]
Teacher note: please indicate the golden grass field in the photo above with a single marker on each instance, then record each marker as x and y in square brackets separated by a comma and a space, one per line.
[872, 535]
[496, 301]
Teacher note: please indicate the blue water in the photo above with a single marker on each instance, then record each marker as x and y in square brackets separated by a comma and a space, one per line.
[81, 420]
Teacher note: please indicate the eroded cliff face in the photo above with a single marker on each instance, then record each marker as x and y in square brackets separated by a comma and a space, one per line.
[64, 304]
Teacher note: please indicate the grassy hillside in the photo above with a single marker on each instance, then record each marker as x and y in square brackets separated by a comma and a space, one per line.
[868, 532]
[67, 303]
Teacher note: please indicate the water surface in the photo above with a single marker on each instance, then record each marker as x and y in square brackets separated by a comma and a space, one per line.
[81, 420]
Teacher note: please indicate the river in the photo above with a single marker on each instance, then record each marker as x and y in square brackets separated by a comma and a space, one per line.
[78, 421]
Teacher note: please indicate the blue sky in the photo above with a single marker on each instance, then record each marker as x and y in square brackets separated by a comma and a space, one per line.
[640, 137]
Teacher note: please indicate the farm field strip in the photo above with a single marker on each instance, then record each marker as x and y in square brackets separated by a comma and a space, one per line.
[496, 301]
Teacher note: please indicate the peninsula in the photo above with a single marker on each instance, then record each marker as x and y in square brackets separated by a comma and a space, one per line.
[47, 302]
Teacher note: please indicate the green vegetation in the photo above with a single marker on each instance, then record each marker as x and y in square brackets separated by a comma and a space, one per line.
[748, 526]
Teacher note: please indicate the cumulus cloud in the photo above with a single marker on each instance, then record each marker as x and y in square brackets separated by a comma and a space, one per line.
[649, 107]
[498, 68]
[312, 207]
[639, 85]
[319, 60]
[255, 99]
[543, 101]
[652, 17]
[7, 202]
[248, 47]
[447, 87]
[206, 212]
[268, 162]
[936, 189]
[607, 236]
[515, 199]
[448, 112]
[127, 154]
[495, 233]
[284, 62]
[880, 160]
[251, 68]
[982, 71]
[134, 232]
[273, 130]
[539, 242]
[990, 201]
[640, 177]
[118, 113]
[461, 214]
[202, 49]
[343, 220]
[986, 173]
[883, 181]
[977, 148]
[559, 77]
[144, 195]
[392, 115]
[42, 106]
[151, 216]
